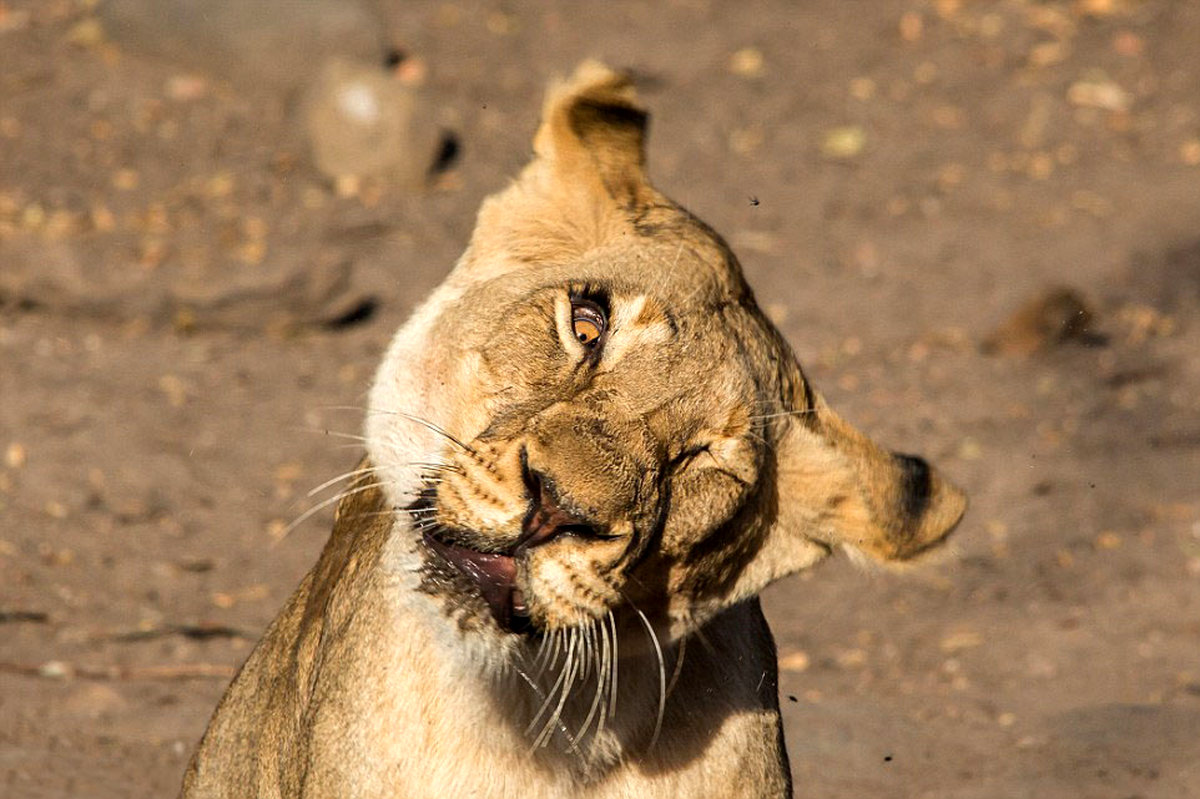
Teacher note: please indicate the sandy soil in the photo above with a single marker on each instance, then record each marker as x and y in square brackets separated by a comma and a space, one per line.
[190, 315]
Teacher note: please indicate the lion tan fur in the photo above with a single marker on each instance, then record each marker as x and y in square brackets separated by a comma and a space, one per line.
[543, 580]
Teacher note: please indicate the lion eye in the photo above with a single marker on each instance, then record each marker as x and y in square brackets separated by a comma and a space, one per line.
[587, 322]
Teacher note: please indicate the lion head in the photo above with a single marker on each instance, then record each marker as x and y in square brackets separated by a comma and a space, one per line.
[592, 413]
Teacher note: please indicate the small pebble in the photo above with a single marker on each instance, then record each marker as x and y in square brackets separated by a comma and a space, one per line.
[843, 143]
[1189, 152]
[1128, 44]
[963, 639]
[852, 658]
[174, 390]
[1046, 54]
[970, 449]
[1102, 94]
[13, 20]
[15, 455]
[862, 89]
[185, 87]
[56, 670]
[86, 33]
[126, 179]
[911, 26]
[277, 529]
[747, 63]
[220, 185]
[794, 661]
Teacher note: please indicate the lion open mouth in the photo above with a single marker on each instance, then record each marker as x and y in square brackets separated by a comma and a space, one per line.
[494, 574]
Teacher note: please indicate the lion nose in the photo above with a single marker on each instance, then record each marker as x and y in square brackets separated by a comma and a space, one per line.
[546, 519]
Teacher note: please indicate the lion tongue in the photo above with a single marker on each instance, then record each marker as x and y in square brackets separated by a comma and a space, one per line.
[494, 574]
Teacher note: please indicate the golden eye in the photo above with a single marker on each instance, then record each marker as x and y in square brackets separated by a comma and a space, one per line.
[587, 322]
[586, 330]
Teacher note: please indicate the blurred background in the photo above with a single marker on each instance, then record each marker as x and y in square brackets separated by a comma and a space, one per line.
[977, 222]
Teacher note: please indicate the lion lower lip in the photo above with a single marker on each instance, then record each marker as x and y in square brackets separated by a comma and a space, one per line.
[495, 575]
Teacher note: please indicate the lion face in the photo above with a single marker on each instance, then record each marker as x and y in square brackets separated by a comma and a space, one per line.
[592, 413]
[609, 416]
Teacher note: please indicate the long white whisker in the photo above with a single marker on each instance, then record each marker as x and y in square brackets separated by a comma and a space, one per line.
[321, 505]
[589, 651]
[541, 659]
[675, 262]
[333, 433]
[569, 671]
[678, 665]
[612, 690]
[553, 688]
[592, 631]
[417, 419]
[428, 425]
[435, 466]
[606, 651]
[662, 675]
[341, 477]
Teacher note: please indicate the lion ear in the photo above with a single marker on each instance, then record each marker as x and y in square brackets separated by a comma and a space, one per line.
[839, 488]
[593, 130]
[585, 183]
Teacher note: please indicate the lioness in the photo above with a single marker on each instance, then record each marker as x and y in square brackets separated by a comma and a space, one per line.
[587, 453]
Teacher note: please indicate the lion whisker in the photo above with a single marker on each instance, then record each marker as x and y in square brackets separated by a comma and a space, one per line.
[303, 517]
[662, 673]
[592, 633]
[612, 690]
[566, 680]
[341, 477]
[333, 433]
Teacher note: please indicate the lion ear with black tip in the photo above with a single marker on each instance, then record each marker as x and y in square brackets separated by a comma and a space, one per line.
[839, 487]
[831, 488]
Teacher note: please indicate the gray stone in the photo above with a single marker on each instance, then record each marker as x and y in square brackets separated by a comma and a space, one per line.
[361, 121]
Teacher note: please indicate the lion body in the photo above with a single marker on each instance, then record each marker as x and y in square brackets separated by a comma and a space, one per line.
[359, 689]
[587, 453]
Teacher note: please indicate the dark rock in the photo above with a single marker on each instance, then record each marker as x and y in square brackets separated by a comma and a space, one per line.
[1055, 316]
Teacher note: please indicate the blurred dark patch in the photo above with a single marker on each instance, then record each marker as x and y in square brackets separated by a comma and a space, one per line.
[1179, 277]
[1138, 374]
[197, 632]
[394, 58]
[357, 314]
[196, 565]
[447, 156]
[27, 616]
[359, 231]
[1168, 279]
[1056, 316]
[1175, 439]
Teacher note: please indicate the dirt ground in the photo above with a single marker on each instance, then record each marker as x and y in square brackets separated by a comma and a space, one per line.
[190, 315]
